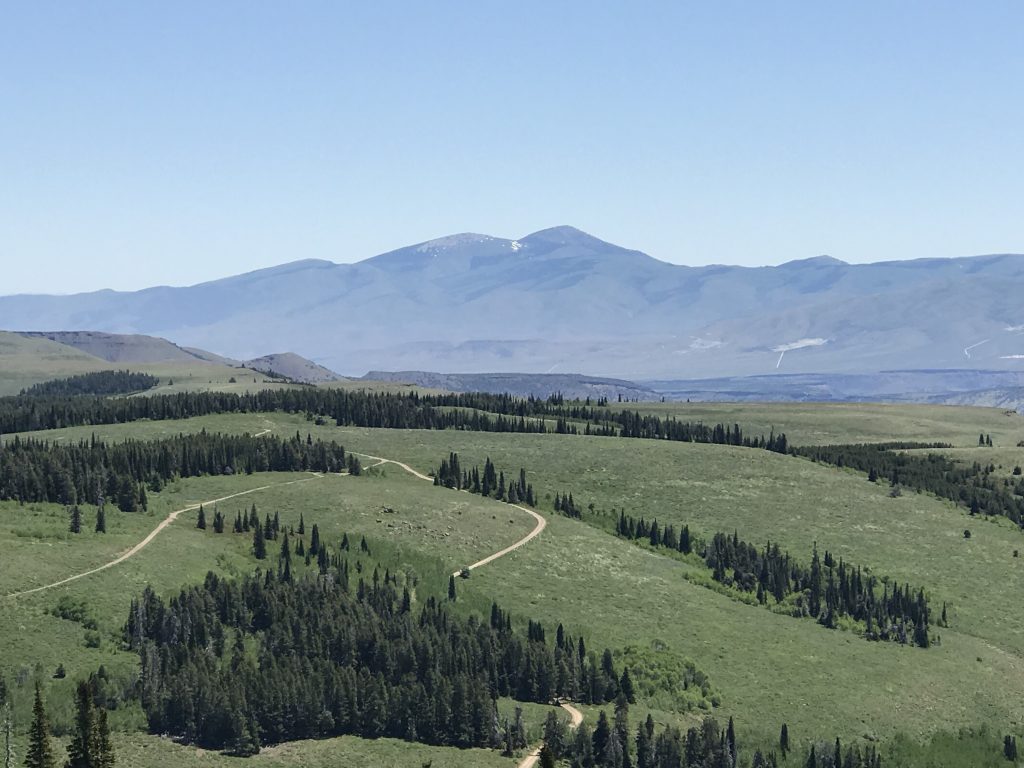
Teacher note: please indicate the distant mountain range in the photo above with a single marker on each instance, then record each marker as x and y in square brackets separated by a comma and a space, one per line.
[560, 300]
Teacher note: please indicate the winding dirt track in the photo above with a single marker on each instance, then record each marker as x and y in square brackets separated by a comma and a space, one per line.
[531, 760]
[575, 718]
[152, 535]
[541, 522]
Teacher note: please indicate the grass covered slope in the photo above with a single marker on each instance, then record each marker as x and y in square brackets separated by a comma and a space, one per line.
[762, 495]
[821, 423]
[425, 533]
[765, 668]
[765, 496]
[27, 361]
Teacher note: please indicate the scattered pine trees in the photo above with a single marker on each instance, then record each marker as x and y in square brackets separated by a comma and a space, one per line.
[976, 487]
[612, 744]
[826, 590]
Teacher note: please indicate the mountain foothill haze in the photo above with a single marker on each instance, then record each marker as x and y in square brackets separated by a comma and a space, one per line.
[560, 300]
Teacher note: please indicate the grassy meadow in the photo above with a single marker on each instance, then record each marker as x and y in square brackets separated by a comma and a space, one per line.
[764, 668]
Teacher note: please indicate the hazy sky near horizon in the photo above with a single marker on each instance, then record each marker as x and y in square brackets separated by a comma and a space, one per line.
[148, 143]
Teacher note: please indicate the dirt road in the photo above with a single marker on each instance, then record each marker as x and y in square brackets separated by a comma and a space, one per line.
[152, 535]
[540, 526]
[575, 718]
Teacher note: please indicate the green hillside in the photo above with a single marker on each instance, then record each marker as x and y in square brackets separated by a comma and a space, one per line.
[661, 611]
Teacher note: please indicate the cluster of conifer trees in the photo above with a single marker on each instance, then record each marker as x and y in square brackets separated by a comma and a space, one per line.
[829, 589]
[565, 504]
[97, 383]
[629, 527]
[236, 664]
[612, 743]
[90, 471]
[490, 482]
[974, 486]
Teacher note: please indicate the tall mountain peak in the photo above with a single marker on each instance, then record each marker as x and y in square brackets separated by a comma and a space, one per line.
[562, 235]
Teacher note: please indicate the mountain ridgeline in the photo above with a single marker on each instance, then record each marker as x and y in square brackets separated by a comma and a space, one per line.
[581, 304]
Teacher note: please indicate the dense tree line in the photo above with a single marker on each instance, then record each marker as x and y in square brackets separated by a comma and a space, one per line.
[235, 664]
[828, 589]
[92, 471]
[478, 412]
[490, 482]
[973, 486]
[345, 408]
[97, 383]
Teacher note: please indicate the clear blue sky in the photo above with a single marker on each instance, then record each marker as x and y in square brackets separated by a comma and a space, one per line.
[173, 142]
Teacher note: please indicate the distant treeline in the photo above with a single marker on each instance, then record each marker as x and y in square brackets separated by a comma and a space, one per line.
[973, 487]
[475, 412]
[34, 470]
[489, 483]
[828, 590]
[236, 664]
[362, 409]
[98, 383]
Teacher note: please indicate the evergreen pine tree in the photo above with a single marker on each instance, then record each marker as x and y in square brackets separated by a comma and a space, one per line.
[8, 737]
[259, 543]
[201, 519]
[76, 520]
[104, 749]
[40, 751]
[784, 740]
[86, 747]
[451, 588]
[626, 686]
[1010, 748]
[601, 734]
[101, 519]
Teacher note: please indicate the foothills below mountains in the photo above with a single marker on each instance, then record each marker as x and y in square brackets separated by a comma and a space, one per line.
[560, 300]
